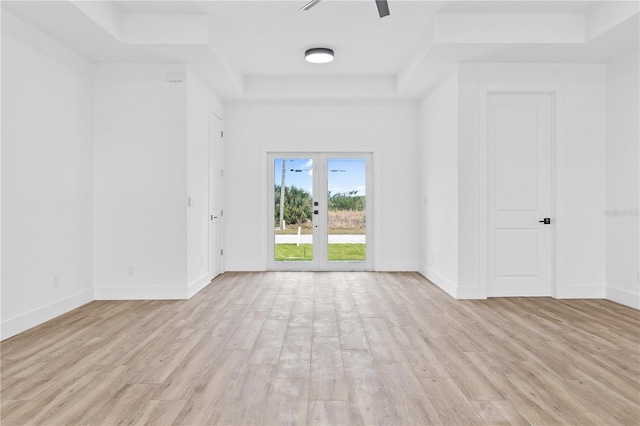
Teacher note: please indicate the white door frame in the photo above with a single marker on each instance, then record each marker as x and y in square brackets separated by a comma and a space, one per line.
[557, 177]
[320, 239]
[215, 206]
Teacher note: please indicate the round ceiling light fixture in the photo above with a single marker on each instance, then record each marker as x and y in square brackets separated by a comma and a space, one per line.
[319, 55]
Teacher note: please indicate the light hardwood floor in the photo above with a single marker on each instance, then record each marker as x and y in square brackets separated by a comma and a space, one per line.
[327, 348]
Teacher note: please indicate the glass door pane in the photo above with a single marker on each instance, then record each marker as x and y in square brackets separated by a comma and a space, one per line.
[346, 210]
[293, 218]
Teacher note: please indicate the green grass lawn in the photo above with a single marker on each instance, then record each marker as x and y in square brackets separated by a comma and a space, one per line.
[337, 252]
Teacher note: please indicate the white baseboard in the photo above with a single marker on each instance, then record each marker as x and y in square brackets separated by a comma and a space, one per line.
[445, 284]
[199, 284]
[141, 293]
[16, 325]
[623, 297]
[471, 293]
[580, 292]
[396, 266]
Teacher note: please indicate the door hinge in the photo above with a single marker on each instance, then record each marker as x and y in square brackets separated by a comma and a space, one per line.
[221, 252]
[222, 133]
[221, 173]
[221, 213]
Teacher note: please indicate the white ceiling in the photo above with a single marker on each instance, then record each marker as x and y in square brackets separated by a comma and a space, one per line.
[254, 49]
[503, 6]
[271, 37]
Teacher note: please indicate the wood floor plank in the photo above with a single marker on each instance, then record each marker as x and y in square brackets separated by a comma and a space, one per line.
[368, 401]
[343, 300]
[158, 364]
[206, 405]
[383, 345]
[125, 406]
[247, 331]
[282, 306]
[476, 384]
[450, 404]
[247, 403]
[325, 321]
[421, 358]
[52, 401]
[88, 399]
[499, 413]
[328, 413]
[288, 402]
[326, 348]
[264, 299]
[194, 373]
[158, 413]
[295, 357]
[396, 315]
[301, 311]
[616, 411]
[410, 403]
[542, 398]
[366, 305]
[352, 335]
[269, 342]
[327, 371]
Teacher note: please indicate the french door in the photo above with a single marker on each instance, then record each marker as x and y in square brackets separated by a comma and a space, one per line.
[321, 220]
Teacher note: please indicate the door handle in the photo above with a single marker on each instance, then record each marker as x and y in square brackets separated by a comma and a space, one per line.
[546, 221]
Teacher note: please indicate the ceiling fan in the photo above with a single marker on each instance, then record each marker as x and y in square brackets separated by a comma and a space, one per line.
[383, 6]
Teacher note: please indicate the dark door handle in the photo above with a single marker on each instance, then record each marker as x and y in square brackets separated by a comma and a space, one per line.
[546, 221]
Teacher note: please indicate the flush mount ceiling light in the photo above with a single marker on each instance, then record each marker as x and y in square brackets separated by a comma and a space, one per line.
[319, 55]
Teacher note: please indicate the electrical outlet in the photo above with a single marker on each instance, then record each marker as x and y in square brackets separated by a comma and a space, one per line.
[131, 270]
[56, 282]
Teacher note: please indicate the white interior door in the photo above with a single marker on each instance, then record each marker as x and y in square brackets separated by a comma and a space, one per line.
[216, 175]
[322, 220]
[520, 195]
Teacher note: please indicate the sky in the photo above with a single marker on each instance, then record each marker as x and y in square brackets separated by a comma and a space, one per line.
[344, 174]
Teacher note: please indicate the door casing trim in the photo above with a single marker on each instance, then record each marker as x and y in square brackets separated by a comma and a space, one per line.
[268, 210]
[557, 176]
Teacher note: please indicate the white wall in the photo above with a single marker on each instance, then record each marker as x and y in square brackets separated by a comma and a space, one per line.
[140, 181]
[581, 179]
[622, 153]
[46, 178]
[388, 129]
[438, 159]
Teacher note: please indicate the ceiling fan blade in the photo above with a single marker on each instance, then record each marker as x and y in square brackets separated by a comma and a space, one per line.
[383, 8]
[310, 4]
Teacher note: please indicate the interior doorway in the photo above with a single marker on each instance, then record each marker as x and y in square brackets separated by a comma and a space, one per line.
[322, 219]
[216, 176]
[521, 222]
